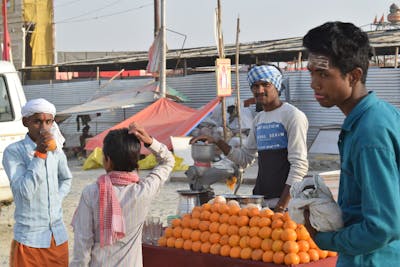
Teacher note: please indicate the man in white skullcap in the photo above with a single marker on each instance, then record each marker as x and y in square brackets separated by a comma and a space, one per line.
[40, 179]
[278, 138]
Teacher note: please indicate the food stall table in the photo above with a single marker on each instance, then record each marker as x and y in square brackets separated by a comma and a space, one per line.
[155, 256]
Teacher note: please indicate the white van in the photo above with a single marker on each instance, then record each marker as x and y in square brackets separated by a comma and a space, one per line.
[12, 98]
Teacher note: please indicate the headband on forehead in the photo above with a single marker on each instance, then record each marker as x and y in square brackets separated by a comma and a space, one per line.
[318, 61]
[265, 74]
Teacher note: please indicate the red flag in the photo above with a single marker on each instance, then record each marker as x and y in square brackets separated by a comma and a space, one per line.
[382, 20]
[375, 20]
[6, 35]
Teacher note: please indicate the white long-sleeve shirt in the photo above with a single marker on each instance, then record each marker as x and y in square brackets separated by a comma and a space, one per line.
[135, 200]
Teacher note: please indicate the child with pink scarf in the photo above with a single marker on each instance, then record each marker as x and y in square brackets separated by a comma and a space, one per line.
[109, 219]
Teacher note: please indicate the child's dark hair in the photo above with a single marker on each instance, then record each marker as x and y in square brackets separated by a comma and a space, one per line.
[123, 149]
[346, 45]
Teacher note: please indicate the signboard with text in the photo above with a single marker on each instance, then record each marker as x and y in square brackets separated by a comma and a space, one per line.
[223, 73]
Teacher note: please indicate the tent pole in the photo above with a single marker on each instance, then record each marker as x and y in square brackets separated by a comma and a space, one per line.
[163, 64]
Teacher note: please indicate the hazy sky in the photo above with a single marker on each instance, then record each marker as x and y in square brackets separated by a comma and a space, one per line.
[128, 25]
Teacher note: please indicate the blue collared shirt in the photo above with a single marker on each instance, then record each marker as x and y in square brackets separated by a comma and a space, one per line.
[38, 187]
[369, 191]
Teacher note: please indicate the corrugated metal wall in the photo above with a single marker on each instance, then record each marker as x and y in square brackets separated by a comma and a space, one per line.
[200, 88]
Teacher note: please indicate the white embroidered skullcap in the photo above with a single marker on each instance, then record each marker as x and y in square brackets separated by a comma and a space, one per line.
[39, 105]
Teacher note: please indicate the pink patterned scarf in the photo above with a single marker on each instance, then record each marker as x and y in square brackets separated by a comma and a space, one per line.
[112, 226]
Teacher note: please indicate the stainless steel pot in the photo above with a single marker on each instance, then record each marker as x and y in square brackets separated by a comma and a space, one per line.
[203, 152]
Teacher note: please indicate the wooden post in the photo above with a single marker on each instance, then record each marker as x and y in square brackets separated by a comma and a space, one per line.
[396, 57]
[237, 81]
[221, 55]
[299, 60]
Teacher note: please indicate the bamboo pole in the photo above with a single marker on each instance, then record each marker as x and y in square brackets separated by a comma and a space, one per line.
[237, 80]
[221, 55]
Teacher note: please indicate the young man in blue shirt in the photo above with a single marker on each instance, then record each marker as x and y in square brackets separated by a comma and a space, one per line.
[40, 179]
[369, 145]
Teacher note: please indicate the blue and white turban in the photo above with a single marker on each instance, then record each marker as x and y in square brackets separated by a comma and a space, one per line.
[265, 73]
[41, 105]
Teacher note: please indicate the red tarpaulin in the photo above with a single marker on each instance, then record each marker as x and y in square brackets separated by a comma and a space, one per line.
[162, 119]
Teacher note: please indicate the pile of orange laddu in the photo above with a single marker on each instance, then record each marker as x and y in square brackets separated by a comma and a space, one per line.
[224, 228]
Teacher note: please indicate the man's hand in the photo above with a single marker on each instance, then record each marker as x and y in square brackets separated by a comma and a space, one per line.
[308, 225]
[140, 133]
[43, 140]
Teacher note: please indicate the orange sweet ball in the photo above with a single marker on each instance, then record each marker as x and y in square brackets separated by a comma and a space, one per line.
[235, 252]
[223, 208]
[176, 222]
[186, 233]
[290, 247]
[187, 244]
[195, 235]
[177, 232]
[257, 254]
[304, 246]
[332, 253]
[168, 232]
[223, 228]
[277, 223]
[206, 206]
[214, 238]
[214, 226]
[196, 214]
[277, 245]
[233, 230]
[205, 215]
[254, 221]
[196, 246]
[245, 253]
[194, 223]
[233, 219]
[225, 250]
[276, 233]
[234, 210]
[243, 212]
[162, 241]
[313, 253]
[253, 211]
[279, 257]
[214, 217]
[224, 218]
[291, 258]
[205, 236]
[242, 220]
[185, 222]
[244, 230]
[265, 232]
[264, 221]
[266, 212]
[215, 249]
[205, 247]
[215, 207]
[171, 242]
[304, 257]
[179, 243]
[204, 225]
[253, 231]
[244, 241]
[266, 244]
[290, 224]
[255, 242]
[224, 240]
[288, 234]
[268, 256]
[234, 240]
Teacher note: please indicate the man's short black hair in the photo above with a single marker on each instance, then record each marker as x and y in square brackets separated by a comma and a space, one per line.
[123, 149]
[346, 45]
